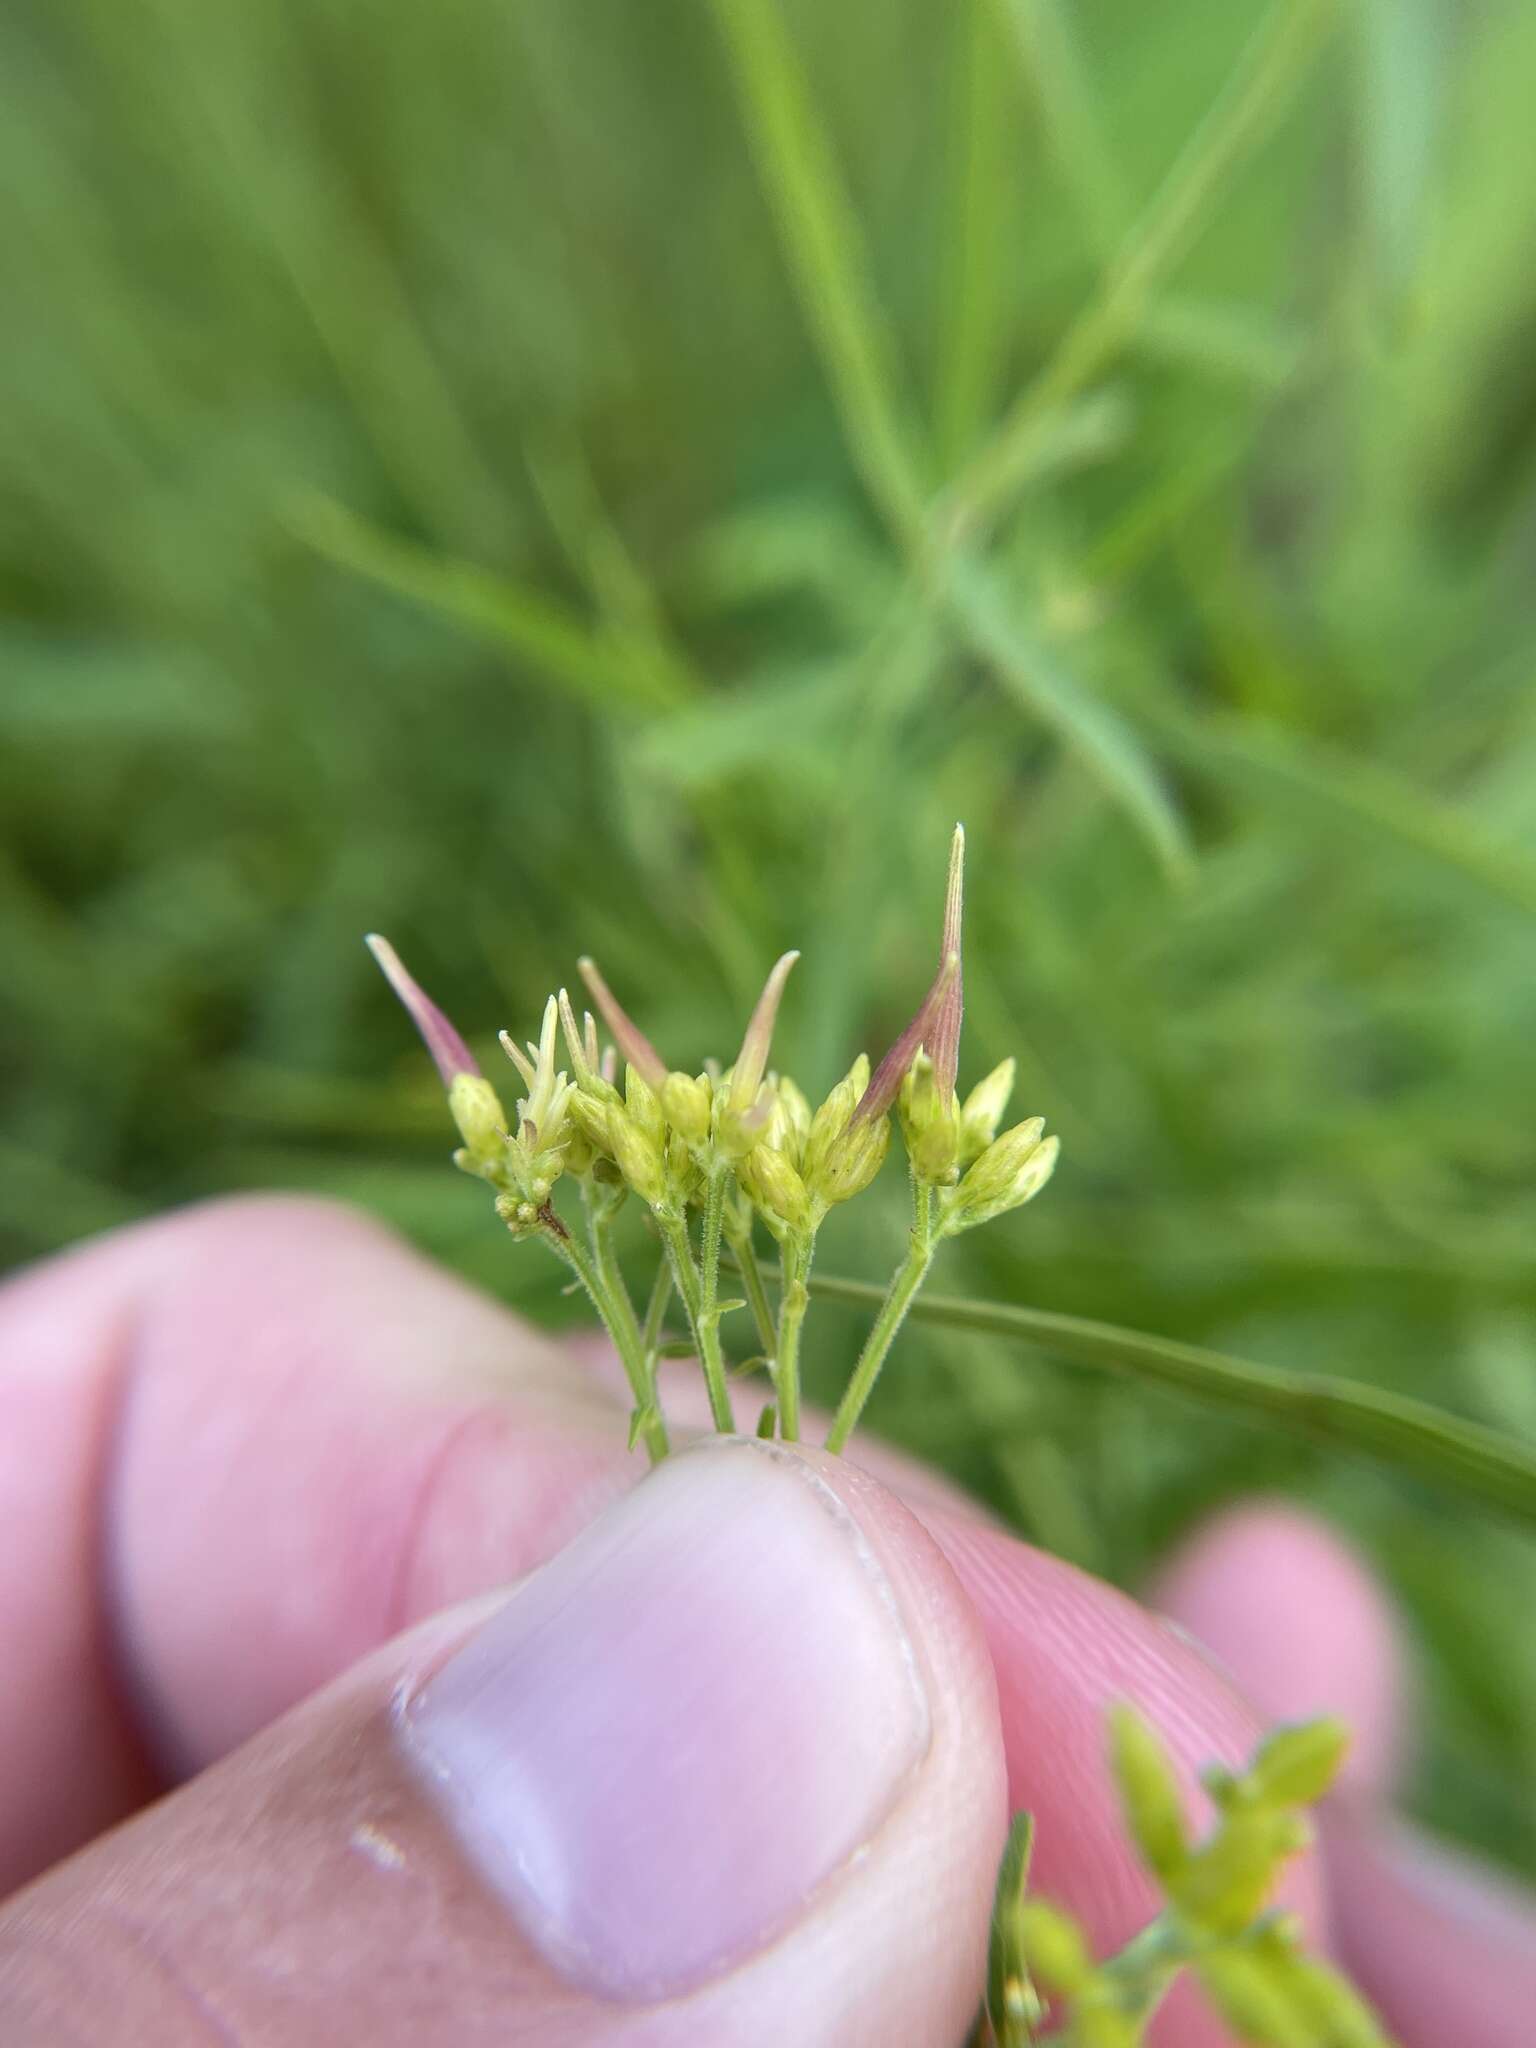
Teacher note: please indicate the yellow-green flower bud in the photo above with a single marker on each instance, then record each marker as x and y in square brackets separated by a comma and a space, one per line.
[592, 1111]
[1105, 2026]
[776, 1190]
[1297, 1765]
[1149, 1792]
[686, 1101]
[1012, 1170]
[790, 1124]
[643, 1104]
[1329, 2007]
[852, 1160]
[519, 1214]
[1226, 1885]
[930, 1124]
[639, 1155]
[1055, 1947]
[831, 1119]
[1252, 1998]
[982, 1110]
[476, 1109]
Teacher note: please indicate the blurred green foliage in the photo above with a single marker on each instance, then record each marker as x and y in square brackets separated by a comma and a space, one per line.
[528, 478]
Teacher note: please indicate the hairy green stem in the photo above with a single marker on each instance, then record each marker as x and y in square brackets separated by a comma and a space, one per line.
[793, 1303]
[655, 1432]
[618, 1318]
[706, 1329]
[748, 1265]
[905, 1282]
[655, 1309]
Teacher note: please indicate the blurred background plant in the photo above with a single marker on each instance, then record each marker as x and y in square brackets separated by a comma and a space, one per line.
[626, 478]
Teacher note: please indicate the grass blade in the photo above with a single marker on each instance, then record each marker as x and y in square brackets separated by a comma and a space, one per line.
[602, 673]
[1089, 728]
[1258, 88]
[970, 337]
[821, 243]
[1364, 796]
[1443, 1450]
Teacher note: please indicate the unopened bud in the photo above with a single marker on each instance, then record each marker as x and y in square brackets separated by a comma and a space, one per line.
[831, 1119]
[1253, 1998]
[1297, 1765]
[776, 1189]
[930, 1124]
[1055, 1947]
[1227, 1884]
[639, 1155]
[982, 1110]
[790, 1124]
[643, 1104]
[852, 1160]
[591, 1114]
[1148, 1792]
[482, 1122]
[686, 1101]
[1012, 1170]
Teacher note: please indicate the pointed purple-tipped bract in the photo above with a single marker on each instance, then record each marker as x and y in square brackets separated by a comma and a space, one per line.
[451, 1055]
[632, 1041]
[944, 1043]
[752, 1060]
[885, 1082]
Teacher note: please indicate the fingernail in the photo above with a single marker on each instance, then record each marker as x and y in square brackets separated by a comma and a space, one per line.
[683, 1725]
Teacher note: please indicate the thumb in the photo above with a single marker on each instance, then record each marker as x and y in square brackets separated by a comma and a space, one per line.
[727, 1769]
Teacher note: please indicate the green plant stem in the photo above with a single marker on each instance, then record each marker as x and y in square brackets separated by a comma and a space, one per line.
[655, 1310]
[793, 1303]
[622, 1330]
[744, 1252]
[600, 1223]
[706, 1329]
[1444, 1450]
[907, 1279]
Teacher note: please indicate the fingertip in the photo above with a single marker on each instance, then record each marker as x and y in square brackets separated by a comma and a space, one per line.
[1301, 1623]
[1444, 1945]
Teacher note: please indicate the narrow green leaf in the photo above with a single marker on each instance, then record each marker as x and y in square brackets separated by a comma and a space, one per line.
[1096, 734]
[1411, 1436]
[591, 666]
[971, 323]
[1012, 2006]
[1363, 796]
[1271, 65]
[821, 244]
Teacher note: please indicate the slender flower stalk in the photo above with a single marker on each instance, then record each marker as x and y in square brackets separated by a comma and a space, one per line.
[706, 1336]
[636, 1354]
[655, 1312]
[899, 1296]
[793, 1303]
[750, 1268]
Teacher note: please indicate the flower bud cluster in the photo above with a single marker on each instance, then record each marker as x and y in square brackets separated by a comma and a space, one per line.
[1218, 1920]
[668, 1134]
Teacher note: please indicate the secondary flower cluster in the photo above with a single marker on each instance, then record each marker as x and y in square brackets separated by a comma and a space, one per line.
[730, 1147]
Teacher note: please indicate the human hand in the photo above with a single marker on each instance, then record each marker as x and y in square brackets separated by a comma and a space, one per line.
[730, 1770]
